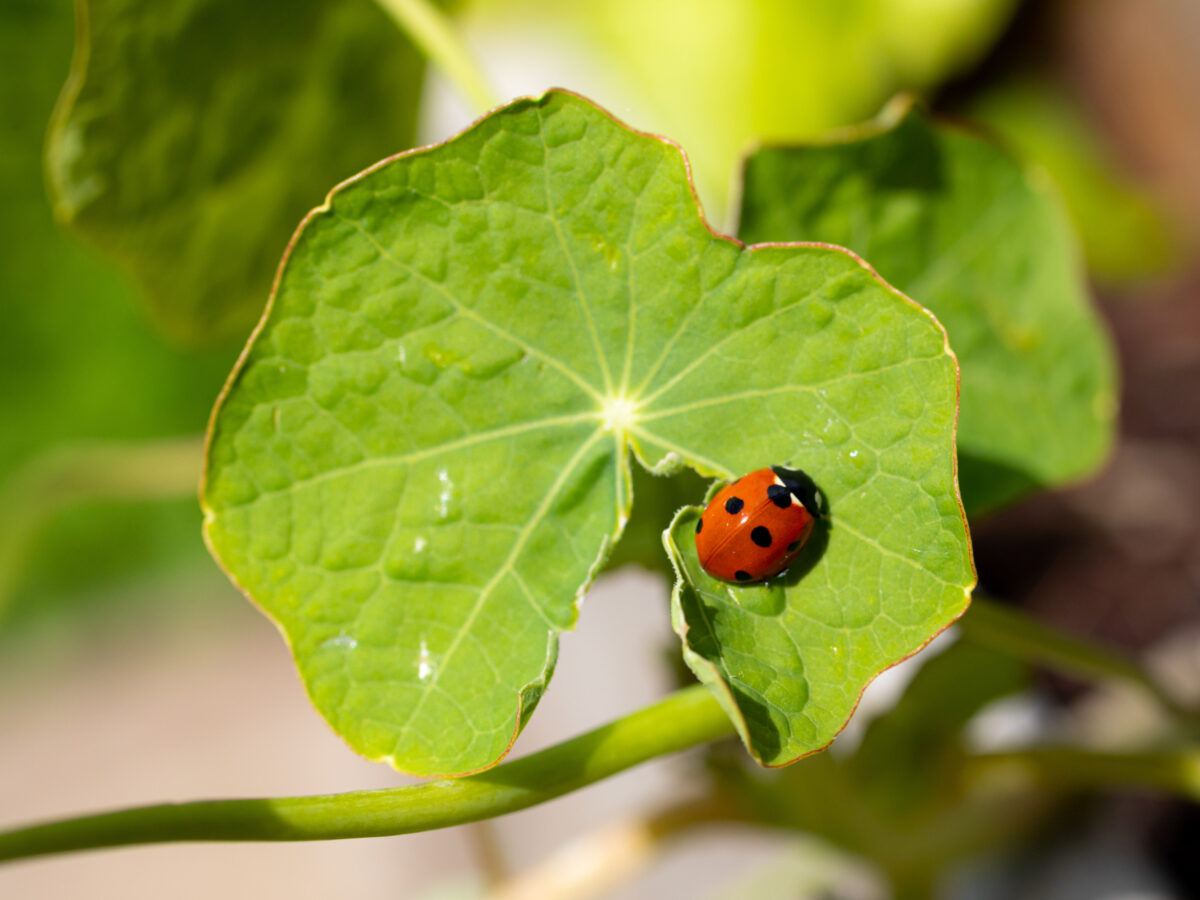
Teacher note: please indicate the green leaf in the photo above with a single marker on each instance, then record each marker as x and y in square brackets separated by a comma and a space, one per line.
[1125, 232]
[191, 136]
[70, 477]
[788, 660]
[964, 229]
[423, 456]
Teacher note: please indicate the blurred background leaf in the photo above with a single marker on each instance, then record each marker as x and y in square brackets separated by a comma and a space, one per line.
[715, 75]
[192, 136]
[964, 229]
[900, 799]
[1126, 235]
[77, 359]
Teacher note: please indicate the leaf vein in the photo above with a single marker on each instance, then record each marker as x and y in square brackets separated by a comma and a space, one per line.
[472, 314]
[375, 462]
[766, 392]
[580, 296]
[505, 568]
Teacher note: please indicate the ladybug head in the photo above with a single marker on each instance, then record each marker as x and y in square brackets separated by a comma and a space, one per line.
[802, 487]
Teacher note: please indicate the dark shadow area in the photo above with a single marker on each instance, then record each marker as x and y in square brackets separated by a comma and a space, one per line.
[817, 544]
[816, 501]
[987, 485]
[767, 741]
[656, 499]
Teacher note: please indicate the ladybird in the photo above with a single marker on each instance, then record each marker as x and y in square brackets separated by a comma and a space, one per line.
[754, 528]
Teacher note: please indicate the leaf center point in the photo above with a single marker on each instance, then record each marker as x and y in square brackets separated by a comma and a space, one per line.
[619, 413]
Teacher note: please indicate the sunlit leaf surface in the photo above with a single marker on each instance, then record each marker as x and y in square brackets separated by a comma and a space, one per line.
[424, 455]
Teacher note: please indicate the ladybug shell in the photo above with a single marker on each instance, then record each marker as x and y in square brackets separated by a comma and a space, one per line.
[754, 528]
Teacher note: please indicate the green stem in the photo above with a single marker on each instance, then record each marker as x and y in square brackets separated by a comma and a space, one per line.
[81, 473]
[681, 720]
[432, 31]
[1024, 637]
[1175, 771]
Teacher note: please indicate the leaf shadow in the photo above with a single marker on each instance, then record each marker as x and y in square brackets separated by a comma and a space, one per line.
[766, 738]
[988, 486]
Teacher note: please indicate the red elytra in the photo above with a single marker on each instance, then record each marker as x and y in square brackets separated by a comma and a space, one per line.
[754, 528]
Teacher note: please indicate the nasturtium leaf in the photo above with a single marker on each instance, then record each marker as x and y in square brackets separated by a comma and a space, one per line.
[423, 456]
[963, 228]
[1127, 234]
[192, 135]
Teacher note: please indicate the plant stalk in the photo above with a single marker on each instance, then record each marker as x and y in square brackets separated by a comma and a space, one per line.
[1173, 771]
[1024, 637]
[74, 474]
[682, 720]
[434, 34]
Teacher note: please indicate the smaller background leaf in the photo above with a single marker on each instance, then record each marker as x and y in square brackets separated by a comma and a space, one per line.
[905, 751]
[1126, 235]
[962, 228]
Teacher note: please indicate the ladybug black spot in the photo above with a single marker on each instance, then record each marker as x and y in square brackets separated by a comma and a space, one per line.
[761, 535]
[699, 525]
[780, 496]
[741, 575]
[793, 547]
[734, 505]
